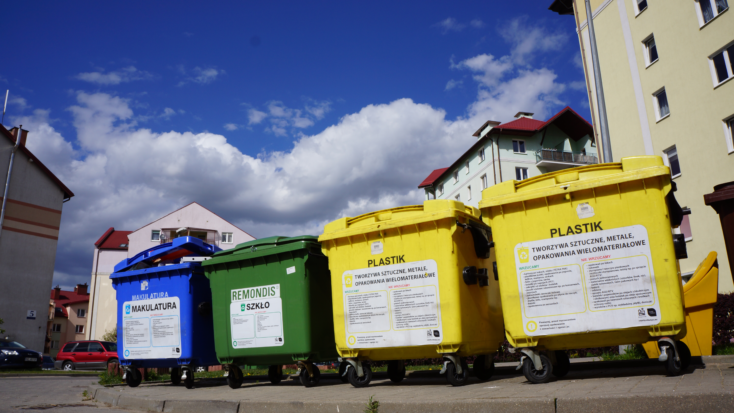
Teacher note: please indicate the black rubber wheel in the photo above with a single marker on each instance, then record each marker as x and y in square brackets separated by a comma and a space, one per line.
[396, 370]
[189, 380]
[342, 368]
[563, 364]
[306, 378]
[672, 366]
[235, 377]
[685, 355]
[357, 381]
[275, 374]
[537, 376]
[480, 370]
[176, 376]
[133, 377]
[67, 366]
[454, 378]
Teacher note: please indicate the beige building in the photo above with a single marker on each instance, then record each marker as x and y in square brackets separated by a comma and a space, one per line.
[667, 70]
[68, 322]
[114, 246]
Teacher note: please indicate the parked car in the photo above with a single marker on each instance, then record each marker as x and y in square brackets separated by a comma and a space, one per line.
[14, 355]
[86, 355]
[48, 363]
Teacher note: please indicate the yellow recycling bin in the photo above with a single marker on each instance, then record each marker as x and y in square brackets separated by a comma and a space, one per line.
[414, 282]
[586, 258]
[699, 294]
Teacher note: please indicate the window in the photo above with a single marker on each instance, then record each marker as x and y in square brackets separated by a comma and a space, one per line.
[484, 181]
[481, 155]
[458, 197]
[95, 347]
[81, 312]
[79, 330]
[110, 346]
[671, 160]
[69, 347]
[660, 102]
[708, 9]
[54, 344]
[81, 347]
[640, 6]
[729, 133]
[456, 176]
[56, 328]
[468, 191]
[650, 50]
[227, 237]
[722, 64]
[155, 235]
[685, 228]
[518, 146]
[521, 173]
[467, 167]
[440, 190]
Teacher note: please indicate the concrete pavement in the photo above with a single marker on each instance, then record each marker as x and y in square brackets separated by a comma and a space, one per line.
[639, 386]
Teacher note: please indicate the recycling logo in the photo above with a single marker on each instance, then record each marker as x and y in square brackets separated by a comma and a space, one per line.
[234, 343]
[127, 353]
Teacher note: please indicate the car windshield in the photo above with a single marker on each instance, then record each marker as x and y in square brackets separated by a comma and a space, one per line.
[110, 346]
[11, 344]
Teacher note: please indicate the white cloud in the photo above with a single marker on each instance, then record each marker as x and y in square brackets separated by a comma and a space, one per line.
[284, 120]
[318, 109]
[19, 102]
[202, 76]
[231, 126]
[453, 84]
[578, 62]
[167, 113]
[528, 39]
[488, 69]
[477, 23]
[124, 75]
[254, 116]
[450, 24]
[578, 85]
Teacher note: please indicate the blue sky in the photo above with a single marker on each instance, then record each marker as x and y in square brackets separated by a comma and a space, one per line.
[279, 116]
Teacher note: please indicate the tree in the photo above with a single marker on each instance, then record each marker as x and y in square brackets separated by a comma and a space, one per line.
[110, 335]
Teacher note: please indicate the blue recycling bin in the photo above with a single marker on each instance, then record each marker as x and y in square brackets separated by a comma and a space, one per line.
[164, 316]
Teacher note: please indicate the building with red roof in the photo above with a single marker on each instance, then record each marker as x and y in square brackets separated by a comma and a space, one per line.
[519, 149]
[69, 318]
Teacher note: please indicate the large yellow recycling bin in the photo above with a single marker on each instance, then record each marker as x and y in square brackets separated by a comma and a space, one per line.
[414, 282]
[586, 258]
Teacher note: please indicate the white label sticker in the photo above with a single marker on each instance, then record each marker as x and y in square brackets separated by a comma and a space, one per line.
[256, 317]
[152, 328]
[392, 306]
[376, 248]
[584, 210]
[290, 270]
[601, 280]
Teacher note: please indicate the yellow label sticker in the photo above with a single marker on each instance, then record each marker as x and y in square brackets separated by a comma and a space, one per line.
[523, 254]
[348, 280]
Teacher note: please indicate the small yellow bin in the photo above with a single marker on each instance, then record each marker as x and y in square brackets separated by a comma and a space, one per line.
[586, 258]
[414, 282]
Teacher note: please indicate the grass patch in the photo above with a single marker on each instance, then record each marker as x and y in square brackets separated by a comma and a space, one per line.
[723, 350]
[106, 379]
[635, 352]
[373, 406]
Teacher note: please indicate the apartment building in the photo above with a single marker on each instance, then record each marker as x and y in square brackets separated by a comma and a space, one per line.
[520, 149]
[29, 234]
[667, 69]
[114, 246]
[69, 319]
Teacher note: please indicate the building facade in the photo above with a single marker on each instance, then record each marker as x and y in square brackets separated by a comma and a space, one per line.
[114, 246]
[667, 70]
[520, 149]
[29, 235]
[69, 320]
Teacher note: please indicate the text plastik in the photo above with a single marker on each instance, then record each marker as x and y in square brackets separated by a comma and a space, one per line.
[396, 259]
[576, 229]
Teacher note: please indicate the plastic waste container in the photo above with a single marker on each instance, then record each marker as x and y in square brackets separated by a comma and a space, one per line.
[272, 306]
[722, 201]
[586, 257]
[164, 311]
[414, 282]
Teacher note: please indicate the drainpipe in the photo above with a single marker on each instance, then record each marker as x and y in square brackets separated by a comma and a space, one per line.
[494, 168]
[606, 145]
[499, 161]
[10, 172]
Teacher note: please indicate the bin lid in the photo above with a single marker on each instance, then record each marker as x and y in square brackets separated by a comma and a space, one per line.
[573, 179]
[265, 243]
[168, 252]
[722, 192]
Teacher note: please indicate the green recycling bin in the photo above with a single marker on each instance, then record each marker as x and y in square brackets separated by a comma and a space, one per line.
[271, 302]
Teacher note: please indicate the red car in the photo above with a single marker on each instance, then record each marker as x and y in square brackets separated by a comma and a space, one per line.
[83, 355]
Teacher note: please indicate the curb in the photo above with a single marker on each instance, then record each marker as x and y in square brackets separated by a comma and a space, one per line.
[50, 375]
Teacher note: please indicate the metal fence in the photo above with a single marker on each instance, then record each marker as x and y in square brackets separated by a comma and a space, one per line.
[564, 156]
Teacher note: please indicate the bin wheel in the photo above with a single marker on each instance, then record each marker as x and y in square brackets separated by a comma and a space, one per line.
[234, 378]
[342, 368]
[396, 370]
[274, 374]
[176, 376]
[133, 377]
[673, 367]
[189, 381]
[685, 355]
[454, 378]
[563, 364]
[357, 381]
[481, 371]
[537, 376]
[307, 380]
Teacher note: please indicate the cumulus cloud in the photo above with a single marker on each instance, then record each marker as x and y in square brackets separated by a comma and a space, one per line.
[451, 84]
[124, 75]
[202, 76]
[578, 85]
[487, 69]
[167, 113]
[284, 120]
[477, 23]
[254, 116]
[529, 39]
[231, 126]
[450, 24]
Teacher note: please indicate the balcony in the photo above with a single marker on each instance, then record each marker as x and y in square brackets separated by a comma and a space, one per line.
[555, 160]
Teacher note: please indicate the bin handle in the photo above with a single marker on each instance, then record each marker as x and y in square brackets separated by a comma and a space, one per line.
[481, 235]
[674, 210]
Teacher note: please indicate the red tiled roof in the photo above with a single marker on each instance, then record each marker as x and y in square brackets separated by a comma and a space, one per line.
[432, 177]
[68, 297]
[524, 124]
[113, 240]
[39, 164]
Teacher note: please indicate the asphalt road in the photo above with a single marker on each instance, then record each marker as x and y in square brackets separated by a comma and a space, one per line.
[48, 394]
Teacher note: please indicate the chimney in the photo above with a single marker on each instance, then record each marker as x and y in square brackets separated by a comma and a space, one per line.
[528, 115]
[81, 289]
[23, 135]
[57, 293]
